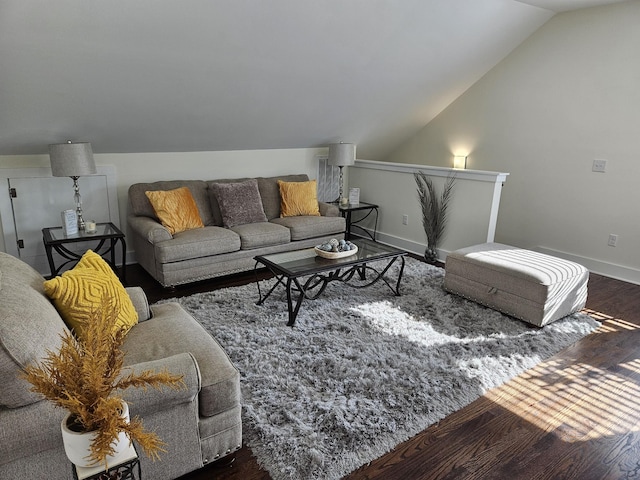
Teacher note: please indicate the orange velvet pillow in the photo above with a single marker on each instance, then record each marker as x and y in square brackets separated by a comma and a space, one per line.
[298, 198]
[176, 209]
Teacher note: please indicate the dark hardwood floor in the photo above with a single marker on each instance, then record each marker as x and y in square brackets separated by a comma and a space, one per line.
[574, 416]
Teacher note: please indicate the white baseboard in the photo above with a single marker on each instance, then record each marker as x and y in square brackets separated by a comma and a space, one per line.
[131, 257]
[611, 270]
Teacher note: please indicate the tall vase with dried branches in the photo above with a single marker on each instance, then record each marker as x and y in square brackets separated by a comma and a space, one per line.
[434, 210]
[87, 379]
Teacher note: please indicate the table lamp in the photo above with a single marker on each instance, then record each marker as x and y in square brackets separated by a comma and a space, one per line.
[73, 160]
[342, 155]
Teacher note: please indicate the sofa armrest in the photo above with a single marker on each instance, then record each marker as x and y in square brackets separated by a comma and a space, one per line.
[28, 430]
[140, 302]
[328, 209]
[149, 228]
[148, 400]
[39, 423]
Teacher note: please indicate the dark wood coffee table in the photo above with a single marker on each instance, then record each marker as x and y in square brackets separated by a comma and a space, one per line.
[306, 275]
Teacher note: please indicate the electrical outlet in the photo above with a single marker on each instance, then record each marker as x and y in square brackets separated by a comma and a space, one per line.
[599, 166]
[613, 240]
[405, 219]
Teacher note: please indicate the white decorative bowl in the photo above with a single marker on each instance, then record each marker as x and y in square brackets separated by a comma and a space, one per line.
[334, 255]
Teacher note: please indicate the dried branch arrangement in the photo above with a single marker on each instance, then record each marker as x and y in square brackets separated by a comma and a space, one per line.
[86, 378]
[434, 211]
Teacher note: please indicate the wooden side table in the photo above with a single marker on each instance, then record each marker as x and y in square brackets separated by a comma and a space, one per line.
[107, 235]
[369, 208]
[127, 468]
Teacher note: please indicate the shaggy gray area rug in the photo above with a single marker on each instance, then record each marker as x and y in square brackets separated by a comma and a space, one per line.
[363, 370]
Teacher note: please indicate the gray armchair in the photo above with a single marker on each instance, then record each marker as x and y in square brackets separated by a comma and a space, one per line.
[200, 423]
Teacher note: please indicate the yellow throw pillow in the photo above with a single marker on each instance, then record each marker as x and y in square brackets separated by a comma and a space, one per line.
[176, 209]
[298, 198]
[78, 293]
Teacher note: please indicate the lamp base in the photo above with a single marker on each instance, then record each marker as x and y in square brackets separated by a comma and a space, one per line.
[78, 200]
[81, 224]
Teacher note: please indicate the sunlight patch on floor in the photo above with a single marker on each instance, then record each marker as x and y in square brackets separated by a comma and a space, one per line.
[391, 320]
[577, 401]
[609, 323]
[633, 365]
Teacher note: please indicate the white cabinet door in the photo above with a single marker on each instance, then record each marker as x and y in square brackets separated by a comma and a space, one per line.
[38, 202]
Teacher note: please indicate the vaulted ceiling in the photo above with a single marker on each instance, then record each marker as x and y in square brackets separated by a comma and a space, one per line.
[206, 75]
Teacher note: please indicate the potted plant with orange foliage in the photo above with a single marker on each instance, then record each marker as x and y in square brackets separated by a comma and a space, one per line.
[87, 379]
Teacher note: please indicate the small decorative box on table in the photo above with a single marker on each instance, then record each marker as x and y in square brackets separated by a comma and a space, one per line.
[128, 468]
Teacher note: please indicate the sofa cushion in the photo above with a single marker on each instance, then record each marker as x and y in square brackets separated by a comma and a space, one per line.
[176, 209]
[256, 235]
[213, 200]
[298, 198]
[29, 326]
[139, 204]
[270, 192]
[201, 242]
[78, 294]
[303, 227]
[239, 202]
[172, 331]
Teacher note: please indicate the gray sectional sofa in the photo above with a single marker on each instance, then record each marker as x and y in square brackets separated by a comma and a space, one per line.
[214, 250]
[200, 423]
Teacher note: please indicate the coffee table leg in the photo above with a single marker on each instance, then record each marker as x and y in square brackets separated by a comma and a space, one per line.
[293, 311]
[378, 275]
[362, 271]
[279, 281]
[397, 292]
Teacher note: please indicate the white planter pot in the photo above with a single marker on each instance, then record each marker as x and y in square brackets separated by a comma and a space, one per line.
[77, 444]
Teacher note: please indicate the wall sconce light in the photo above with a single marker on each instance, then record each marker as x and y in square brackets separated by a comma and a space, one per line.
[73, 160]
[460, 161]
[342, 155]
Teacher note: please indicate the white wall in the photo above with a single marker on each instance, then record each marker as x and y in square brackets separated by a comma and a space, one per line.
[568, 95]
[471, 213]
[147, 167]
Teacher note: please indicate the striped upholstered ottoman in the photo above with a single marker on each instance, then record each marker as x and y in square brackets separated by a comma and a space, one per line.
[531, 286]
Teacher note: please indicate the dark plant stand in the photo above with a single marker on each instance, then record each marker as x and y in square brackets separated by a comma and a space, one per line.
[129, 469]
